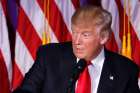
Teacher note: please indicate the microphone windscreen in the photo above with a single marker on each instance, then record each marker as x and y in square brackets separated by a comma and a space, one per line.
[81, 65]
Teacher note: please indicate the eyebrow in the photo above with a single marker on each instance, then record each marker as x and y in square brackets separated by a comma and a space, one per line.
[86, 32]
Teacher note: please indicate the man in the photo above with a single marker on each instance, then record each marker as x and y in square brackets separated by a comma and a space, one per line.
[108, 71]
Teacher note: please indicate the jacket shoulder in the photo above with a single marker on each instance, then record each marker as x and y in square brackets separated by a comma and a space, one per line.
[55, 45]
[121, 62]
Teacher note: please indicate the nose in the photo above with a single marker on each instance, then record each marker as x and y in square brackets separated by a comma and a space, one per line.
[77, 39]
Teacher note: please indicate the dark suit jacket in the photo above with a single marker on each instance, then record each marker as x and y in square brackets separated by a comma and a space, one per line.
[53, 65]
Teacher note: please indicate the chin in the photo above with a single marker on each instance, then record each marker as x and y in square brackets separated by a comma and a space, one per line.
[79, 56]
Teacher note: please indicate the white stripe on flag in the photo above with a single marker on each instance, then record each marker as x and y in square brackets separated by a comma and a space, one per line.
[36, 16]
[67, 9]
[4, 43]
[112, 8]
[135, 16]
[23, 58]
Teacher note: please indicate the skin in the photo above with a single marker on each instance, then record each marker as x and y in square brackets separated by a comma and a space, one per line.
[87, 40]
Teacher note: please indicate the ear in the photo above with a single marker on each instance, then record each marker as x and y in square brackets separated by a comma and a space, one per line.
[104, 36]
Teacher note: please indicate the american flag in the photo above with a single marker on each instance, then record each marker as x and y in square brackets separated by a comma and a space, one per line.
[126, 19]
[31, 18]
[5, 55]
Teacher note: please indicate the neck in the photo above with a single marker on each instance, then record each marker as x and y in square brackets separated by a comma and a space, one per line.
[95, 54]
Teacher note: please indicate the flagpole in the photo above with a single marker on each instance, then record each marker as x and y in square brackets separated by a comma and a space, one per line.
[48, 15]
[123, 52]
[129, 49]
[46, 35]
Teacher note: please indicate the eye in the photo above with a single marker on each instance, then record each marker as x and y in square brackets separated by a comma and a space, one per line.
[86, 34]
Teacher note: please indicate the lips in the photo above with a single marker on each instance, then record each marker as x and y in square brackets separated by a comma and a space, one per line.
[78, 50]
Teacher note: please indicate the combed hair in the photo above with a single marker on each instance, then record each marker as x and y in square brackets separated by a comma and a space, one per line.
[94, 15]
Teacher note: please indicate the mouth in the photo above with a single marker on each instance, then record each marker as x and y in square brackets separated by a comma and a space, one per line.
[78, 50]
[79, 53]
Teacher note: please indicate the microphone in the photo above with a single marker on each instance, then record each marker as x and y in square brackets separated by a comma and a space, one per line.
[78, 68]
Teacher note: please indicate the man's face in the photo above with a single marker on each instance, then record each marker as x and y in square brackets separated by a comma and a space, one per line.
[86, 41]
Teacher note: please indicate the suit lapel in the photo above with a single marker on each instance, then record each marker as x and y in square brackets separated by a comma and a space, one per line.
[68, 61]
[108, 76]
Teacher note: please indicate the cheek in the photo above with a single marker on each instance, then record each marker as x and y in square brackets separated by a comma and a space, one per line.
[91, 42]
[88, 46]
[91, 46]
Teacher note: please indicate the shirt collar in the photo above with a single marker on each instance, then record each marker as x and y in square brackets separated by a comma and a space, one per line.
[99, 60]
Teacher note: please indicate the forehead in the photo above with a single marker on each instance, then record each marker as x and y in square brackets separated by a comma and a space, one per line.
[84, 27]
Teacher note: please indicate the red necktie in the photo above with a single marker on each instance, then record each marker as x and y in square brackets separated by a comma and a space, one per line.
[84, 82]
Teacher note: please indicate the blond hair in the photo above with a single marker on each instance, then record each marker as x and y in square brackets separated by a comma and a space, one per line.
[92, 15]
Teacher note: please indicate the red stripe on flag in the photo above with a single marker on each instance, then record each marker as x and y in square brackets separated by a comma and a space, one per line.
[76, 3]
[121, 18]
[28, 33]
[135, 43]
[135, 46]
[4, 3]
[56, 21]
[17, 76]
[112, 44]
[4, 81]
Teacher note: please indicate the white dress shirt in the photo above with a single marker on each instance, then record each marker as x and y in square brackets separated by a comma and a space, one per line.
[95, 70]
